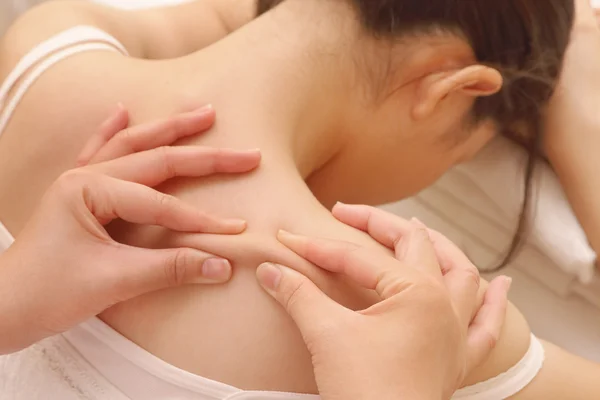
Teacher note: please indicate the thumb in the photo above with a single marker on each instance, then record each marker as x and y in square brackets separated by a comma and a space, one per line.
[141, 271]
[309, 307]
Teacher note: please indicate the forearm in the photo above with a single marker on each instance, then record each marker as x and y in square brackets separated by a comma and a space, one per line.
[572, 140]
[578, 168]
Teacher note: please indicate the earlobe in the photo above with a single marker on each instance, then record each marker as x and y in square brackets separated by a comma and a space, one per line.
[472, 81]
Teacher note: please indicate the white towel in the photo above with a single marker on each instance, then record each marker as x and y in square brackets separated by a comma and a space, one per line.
[554, 229]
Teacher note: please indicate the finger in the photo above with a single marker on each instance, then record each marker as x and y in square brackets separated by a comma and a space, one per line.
[153, 167]
[139, 271]
[109, 199]
[156, 134]
[463, 282]
[369, 269]
[416, 250]
[306, 304]
[109, 128]
[388, 229]
[485, 330]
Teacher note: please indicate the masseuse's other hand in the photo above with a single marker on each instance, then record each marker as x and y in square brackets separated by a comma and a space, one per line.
[419, 342]
[64, 267]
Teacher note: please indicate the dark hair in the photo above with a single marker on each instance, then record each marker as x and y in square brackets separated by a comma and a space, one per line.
[524, 39]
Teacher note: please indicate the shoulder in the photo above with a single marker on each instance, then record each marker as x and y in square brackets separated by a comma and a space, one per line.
[50, 18]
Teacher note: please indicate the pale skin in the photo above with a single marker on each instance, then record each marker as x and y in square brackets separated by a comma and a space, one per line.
[573, 134]
[268, 199]
[114, 168]
[50, 283]
[390, 359]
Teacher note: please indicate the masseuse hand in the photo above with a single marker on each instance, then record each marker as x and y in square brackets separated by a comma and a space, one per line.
[420, 341]
[65, 268]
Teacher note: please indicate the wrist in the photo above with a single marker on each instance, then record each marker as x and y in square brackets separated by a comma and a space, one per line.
[14, 322]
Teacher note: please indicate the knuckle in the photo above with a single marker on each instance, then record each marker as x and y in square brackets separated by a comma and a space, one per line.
[291, 295]
[490, 340]
[165, 200]
[176, 267]
[126, 139]
[472, 273]
[396, 238]
[164, 203]
[392, 285]
[431, 291]
[165, 159]
[71, 181]
[168, 130]
[213, 159]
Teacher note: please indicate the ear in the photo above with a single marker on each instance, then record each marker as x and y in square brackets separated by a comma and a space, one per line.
[472, 81]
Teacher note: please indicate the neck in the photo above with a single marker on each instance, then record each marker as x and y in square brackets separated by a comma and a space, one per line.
[281, 82]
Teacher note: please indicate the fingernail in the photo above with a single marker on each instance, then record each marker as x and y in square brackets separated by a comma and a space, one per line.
[206, 108]
[120, 106]
[284, 234]
[294, 242]
[250, 151]
[420, 225]
[216, 269]
[419, 233]
[507, 283]
[269, 276]
[468, 84]
[420, 230]
[237, 223]
[288, 239]
[341, 206]
[346, 211]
